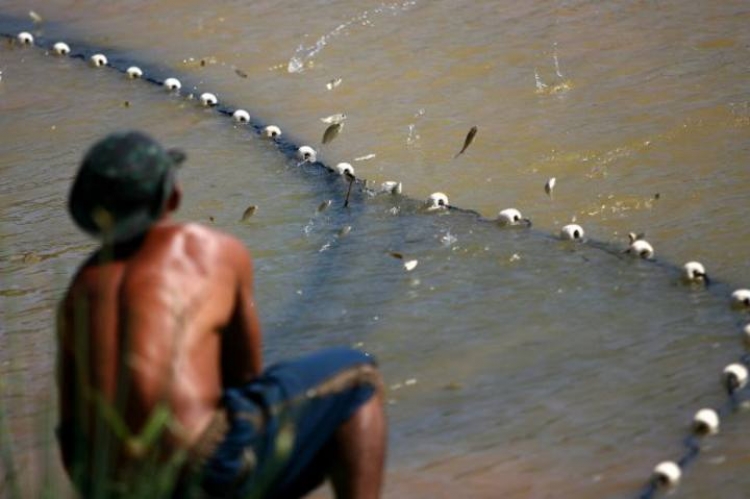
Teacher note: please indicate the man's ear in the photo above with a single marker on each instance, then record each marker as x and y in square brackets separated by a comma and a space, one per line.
[174, 199]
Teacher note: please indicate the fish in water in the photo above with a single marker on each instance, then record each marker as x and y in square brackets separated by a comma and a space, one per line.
[467, 142]
[249, 212]
[35, 17]
[391, 187]
[550, 186]
[334, 118]
[324, 205]
[409, 265]
[332, 132]
[333, 83]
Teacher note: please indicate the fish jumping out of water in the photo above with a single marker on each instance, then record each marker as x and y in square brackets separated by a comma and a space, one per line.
[249, 212]
[324, 205]
[391, 187]
[550, 186]
[332, 132]
[467, 142]
[409, 265]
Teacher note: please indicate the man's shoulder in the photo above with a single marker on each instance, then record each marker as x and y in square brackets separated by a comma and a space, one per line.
[167, 232]
[202, 239]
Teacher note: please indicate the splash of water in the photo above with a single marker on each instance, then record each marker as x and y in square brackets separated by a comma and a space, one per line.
[557, 62]
[412, 137]
[540, 85]
[304, 54]
[448, 239]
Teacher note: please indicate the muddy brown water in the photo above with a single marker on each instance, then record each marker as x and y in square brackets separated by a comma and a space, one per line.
[517, 365]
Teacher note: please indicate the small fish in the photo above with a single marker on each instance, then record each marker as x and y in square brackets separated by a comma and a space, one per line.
[333, 83]
[324, 205]
[249, 212]
[211, 219]
[126, 103]
[365, 157]
[467, 142]
[334, 118]
[453, 385]
[35, 17]
[391, 187]
[396, 255]
[345, 230]
[409, 266]
[550, 186]
[332, 132]
[240, 73]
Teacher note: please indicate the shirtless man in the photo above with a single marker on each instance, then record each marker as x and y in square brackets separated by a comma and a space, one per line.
[161, 381]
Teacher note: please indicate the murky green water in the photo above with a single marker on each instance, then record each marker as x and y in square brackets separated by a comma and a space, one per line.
[518, 365]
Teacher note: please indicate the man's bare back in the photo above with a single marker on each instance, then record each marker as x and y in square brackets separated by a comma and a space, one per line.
[185, 290]
[159, 357]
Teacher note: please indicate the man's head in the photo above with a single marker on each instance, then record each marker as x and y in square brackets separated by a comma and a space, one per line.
[123, 186]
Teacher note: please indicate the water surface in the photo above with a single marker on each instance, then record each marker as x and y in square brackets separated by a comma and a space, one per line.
[517, 365]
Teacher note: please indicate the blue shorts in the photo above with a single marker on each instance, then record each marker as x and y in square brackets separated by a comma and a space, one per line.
[280, 425]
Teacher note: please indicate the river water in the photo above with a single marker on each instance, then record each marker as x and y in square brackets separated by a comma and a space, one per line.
[517, 365]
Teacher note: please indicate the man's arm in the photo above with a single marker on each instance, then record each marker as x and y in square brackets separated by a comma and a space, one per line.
[241, 345]
[65, 375]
